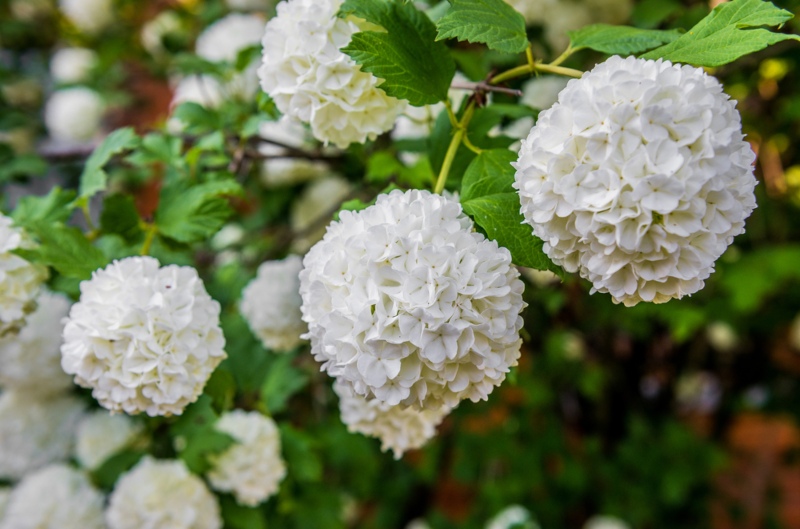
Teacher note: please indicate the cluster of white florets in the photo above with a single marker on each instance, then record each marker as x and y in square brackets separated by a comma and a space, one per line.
[638, 178]
[100, 435]
[271, 304]
[20, 281]
[143, 338]
[35, 432]
[398, 429]
[55, 497]
[162, 493]
[74, 114]
[310, 79]
[89, 16]
[407, 304]
[72, 65]
[251, 468]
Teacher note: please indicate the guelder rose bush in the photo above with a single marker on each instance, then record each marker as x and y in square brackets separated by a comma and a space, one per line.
[309, 79]
[20, 281]
[407, 304]
[638, 178]
[144, 338]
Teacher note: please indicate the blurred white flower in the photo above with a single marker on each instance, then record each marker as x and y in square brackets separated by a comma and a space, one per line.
[101, 435]
[156, 30]
[30, 10]
[89, 16]
[55, 497]
[605, 522]
[31, 360]
[407, 304]
[271, 304]
[794, 333]
[159, 494]
[722, 336]
[201, 89]
[319, 198]
[143, 338]
[542, 92]
[252, 468]
[249, 5]
[698, 391]
[398, 429]
[312, 81]
[288, 171]
[72, 65]
[35, 432]
[638, 178]
[513, 517]
[74, 114]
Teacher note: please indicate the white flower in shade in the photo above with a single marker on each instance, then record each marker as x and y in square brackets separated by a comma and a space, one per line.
[311, 80]
[100, 435]
[513, 517]
[638, 178]
[794, 333]
[31, 360]
[55, 497]
[320, 198]
[89, 16]
[74, 114]
[407, 304]
[201, 89]
[398, 429]
[722, 336]
[35, 432]
[249, 5]
[252, 468]
[542, 92]
[157, 494]
[72, 65]
[144, 338]
[287, 171]
[20, 281]
[271, 304]
[155, 31]
[605, 522]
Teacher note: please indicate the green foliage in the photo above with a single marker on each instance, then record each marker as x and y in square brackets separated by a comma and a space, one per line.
[24, 165]
[412, 64]
[65, 249]
[492, 22]
[94, 178]
[240, 517]
[56, 206]
[619, 40]
[195, 438]
[283, 380]
[193, 213]
[732, 30]
[119, 216]
[112, 468]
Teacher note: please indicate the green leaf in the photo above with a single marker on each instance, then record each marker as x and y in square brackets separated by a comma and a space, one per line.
[239, 516]
[732, 30]
[619, 40]
[406, 56]
[56, 206]
[94, 178]
[195, 437]
[302, 460]
[22, 165]
[492, 22]
[65, 249]
[195, 213]
[489, 174]
[196, 117]
[283, 380]
[120, 217]
[112, 468]
[221, 387]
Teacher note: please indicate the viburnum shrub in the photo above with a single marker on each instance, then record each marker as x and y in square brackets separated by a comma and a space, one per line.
[273, 227]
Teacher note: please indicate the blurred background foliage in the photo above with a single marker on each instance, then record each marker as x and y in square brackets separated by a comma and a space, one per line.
[676, 415]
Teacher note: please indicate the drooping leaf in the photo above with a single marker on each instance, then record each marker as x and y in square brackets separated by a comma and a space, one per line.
[56, 206]
[619, 40]
[189, 214]
[94, 178]
[406, 56]
[492, 22]
[732, 30]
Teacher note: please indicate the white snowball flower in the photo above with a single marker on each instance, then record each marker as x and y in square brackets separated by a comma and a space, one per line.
[100, 435]
[89, 16]
[20, 281]
[287, 171]
[513, 517]
[35, 432]
[143, 338]
[74, 114]
[225, 38]
[271, 304]
[252, 468]
[311, 80]
[638, 178]
[399, 429]
[605, 522]
[201, 89]
[55, 497]
[407, 304]
[157, 494]
[72, 65]
[31, 360]
[321, 197]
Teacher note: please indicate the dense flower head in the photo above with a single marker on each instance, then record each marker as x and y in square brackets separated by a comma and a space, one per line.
[89, 16]
[398, 429]
[74, 114]
[638, 178]
[271, 304]
[162, 493]
[311, 80]
[407, 304]
[101, 434]
[55, 497]
[31, 360]
[144, 338]
[252, 468]
[72, 65]
[20, 281]
[35, 432]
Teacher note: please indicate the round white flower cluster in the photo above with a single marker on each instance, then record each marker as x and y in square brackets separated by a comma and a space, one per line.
[35, 432]
[252, 468]
[74, 114]
[100, 435]
[56, 497]
[31, 360]
[89, 16]
[320, 197]
[311, 80]
[638, 178]
[20, 281]
[271, 304]
[72, 65]
[143, 338]
[407, 304]
[513, 517]
[162, 493]
[398, 429]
